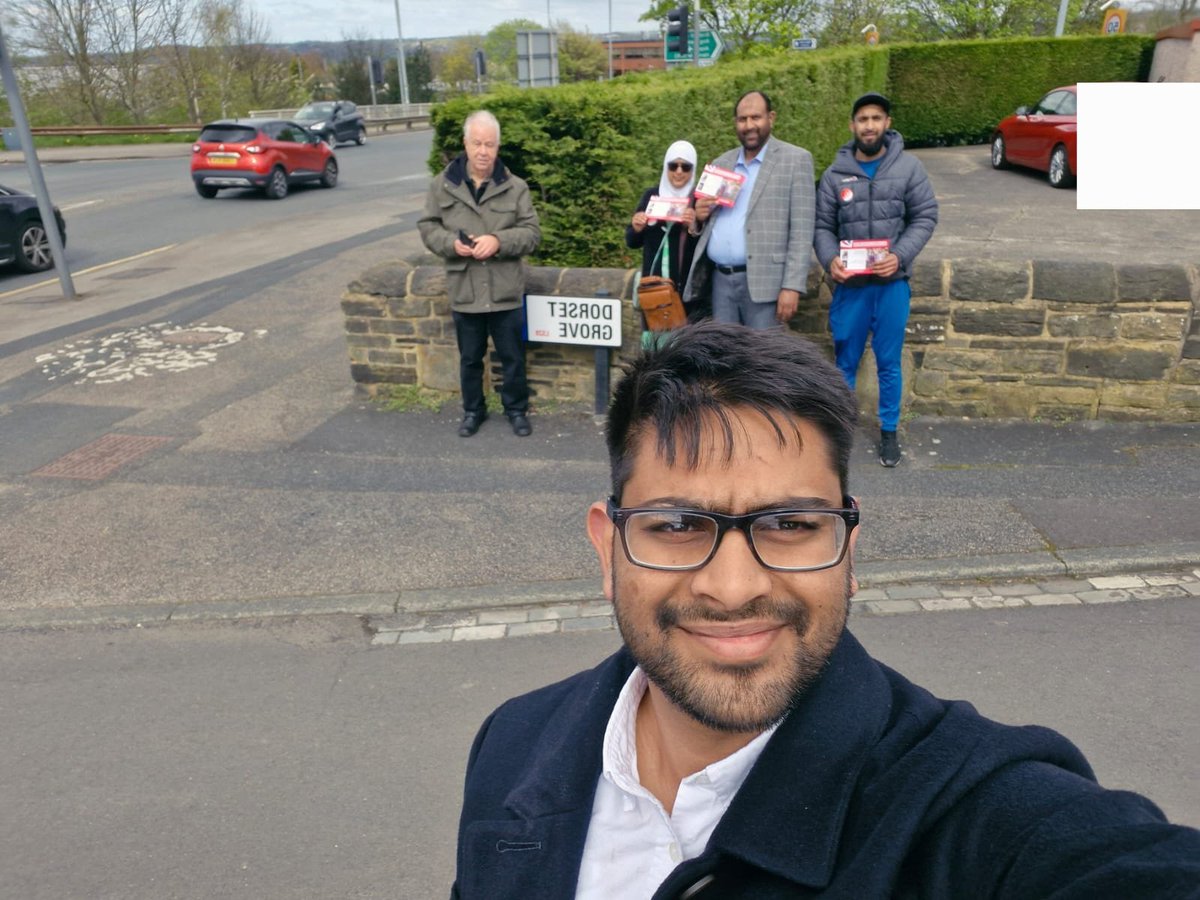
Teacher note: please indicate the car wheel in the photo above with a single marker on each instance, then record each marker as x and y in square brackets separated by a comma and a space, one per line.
[277, 187]
[361, 137]
[1060, 168]
[999, 157]
[329, 176]
[34, 244]
[207, 191]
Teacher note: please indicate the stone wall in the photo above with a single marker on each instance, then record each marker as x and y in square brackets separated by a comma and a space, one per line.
[1061, 340]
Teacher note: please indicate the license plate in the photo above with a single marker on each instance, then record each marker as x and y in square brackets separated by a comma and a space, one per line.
[222, 160]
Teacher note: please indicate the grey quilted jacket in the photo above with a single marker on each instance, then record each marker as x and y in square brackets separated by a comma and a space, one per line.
[897, 204]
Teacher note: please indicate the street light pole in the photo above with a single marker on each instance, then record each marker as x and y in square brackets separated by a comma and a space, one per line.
[16, 107]
[610, 40]
[402, 74]
[1061, 24]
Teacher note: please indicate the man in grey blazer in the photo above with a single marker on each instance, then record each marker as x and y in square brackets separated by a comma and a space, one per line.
[756, 252]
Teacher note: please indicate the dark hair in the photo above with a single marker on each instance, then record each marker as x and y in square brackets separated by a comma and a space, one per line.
[703, 371]
[766, 100]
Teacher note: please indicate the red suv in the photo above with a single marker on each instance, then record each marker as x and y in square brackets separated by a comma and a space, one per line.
[272, 154]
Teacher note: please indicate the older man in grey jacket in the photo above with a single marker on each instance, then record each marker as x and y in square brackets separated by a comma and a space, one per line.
[479, 218]
[873, 190]
[758, 250]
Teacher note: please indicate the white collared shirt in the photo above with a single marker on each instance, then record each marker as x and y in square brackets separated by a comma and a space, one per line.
[632, 843]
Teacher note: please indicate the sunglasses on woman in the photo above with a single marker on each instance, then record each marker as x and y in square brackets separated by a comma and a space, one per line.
[679, 166]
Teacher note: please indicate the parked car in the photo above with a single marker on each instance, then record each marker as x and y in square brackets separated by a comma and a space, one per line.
[335, 121]
[23, 238]
[1040, 137]
[271, 154]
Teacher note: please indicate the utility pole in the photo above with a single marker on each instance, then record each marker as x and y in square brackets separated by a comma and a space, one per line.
[45, 208]
[696, 34]
[403, 74]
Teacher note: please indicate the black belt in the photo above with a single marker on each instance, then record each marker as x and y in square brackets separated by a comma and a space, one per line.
[730, 270]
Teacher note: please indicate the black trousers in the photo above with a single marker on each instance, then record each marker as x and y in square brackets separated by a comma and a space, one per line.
[505, 328]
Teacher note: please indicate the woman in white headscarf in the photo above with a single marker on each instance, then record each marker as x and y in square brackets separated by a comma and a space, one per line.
[668, 246]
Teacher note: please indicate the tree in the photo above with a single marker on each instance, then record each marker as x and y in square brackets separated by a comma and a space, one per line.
[845, 20]
[456, 65]
[181, 32]
[500, 48]
[749, 26]
[581, 57]
[65, 33]
[419, 66]
[963, 19]
[132, 31]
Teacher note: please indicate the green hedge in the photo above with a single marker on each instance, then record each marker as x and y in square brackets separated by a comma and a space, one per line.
[956, 92]
[589, 150]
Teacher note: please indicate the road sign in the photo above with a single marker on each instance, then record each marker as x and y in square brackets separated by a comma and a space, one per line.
[804, 43]
[710, 48]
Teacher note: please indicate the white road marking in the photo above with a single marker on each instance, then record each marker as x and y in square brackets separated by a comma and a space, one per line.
[137, 352]
[80, 205]
[101, 267]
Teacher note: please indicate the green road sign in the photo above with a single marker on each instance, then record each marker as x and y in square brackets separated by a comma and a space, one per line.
[710, 48]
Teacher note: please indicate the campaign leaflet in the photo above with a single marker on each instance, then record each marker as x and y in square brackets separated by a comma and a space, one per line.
[860, 257]
[720, 184]
[667, 209]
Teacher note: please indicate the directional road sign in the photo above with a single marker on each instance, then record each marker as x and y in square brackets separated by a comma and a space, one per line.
[710, 48]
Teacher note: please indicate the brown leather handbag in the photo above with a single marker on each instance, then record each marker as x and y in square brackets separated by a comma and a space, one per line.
[660, 303]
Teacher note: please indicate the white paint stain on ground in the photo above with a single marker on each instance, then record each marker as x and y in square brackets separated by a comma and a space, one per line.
[138, 353]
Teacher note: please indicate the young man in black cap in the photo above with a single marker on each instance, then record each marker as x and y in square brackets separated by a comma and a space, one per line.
[873, 190]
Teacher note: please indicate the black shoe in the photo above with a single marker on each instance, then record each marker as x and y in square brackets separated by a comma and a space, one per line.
[520, 425]
[889, 449]
[470, 423]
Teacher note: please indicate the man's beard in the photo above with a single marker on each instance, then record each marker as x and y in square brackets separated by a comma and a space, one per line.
[734, 698]
[869, 149]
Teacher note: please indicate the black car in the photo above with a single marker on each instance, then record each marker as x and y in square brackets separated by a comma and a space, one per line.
[334, 121]
[23, 238]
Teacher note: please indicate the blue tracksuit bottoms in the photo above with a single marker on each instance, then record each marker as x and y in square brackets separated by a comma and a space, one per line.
[881, 310]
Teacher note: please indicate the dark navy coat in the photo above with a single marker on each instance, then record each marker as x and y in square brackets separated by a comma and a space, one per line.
[871, 788]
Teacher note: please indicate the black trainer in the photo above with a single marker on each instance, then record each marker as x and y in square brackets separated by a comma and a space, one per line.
[889, 449]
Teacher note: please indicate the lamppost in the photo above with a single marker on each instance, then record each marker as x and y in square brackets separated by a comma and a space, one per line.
[610, 40]
[402, 74]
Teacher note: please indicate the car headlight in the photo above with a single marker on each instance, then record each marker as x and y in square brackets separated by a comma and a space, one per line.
[320, 126]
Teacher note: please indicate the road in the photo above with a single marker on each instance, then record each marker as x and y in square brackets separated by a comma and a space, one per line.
[287, 760]
[121, 208]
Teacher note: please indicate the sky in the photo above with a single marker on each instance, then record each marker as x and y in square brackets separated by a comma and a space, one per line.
[331, 20]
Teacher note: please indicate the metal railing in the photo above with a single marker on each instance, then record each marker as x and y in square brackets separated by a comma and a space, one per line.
[379, 117]
[81, 130]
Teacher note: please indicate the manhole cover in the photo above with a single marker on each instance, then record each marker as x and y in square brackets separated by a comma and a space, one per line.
[101, 457]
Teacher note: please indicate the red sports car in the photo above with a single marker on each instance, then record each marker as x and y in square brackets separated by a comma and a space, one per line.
[1040, 137]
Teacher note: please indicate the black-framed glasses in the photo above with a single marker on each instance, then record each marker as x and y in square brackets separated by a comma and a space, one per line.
[785, 540]
[680, 166]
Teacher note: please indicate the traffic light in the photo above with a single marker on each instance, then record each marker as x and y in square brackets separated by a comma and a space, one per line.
[376, 70]
[677, 29]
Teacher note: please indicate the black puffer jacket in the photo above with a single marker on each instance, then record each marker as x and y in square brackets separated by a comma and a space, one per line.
[897, 204]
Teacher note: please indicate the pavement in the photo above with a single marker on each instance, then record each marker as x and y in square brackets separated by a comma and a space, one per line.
[281, 492]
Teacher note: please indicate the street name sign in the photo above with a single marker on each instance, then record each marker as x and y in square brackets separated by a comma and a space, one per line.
[591, 321]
